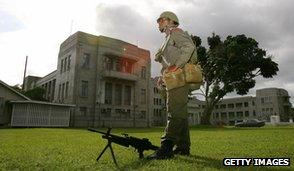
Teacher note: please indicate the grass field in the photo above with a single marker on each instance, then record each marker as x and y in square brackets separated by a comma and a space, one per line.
[77, 149]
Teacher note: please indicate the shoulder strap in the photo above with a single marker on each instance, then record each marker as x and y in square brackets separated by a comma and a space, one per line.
[164, 43]
[193, 57]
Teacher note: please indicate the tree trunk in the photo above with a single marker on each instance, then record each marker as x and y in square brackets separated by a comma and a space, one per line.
[205, 119]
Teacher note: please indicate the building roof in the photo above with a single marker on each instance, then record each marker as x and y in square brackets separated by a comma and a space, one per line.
[42, 102]
[14, 91]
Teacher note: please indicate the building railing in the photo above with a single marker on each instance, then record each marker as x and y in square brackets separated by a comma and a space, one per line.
[120, 75]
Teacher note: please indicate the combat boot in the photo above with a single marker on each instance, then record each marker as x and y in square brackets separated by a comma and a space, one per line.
[164, 152]
[182, 151]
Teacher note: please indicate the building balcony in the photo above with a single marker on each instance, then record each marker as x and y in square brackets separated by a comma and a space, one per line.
[120, 75]
[287, 104]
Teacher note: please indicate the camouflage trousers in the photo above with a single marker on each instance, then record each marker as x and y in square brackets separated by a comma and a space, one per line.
[177, 128]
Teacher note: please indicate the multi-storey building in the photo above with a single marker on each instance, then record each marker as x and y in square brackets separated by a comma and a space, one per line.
[105, 78]
[268, 102]
[158, 115]
[232, 109]
[273, 101]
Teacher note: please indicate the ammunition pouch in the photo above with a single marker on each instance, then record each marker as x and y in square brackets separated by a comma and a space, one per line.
[191, 74]
[174, 79]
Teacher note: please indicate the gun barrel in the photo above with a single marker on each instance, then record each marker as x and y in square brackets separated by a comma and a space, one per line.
[93, 130]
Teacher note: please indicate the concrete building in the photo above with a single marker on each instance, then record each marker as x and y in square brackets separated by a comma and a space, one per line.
[273, 101]
[158, 115]
[231, 109]
[194, 110]
[268, 102]
[105, 78]
[30, 82]
[8, 94]
[48, 83]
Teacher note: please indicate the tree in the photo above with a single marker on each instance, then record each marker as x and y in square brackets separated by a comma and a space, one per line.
[36, 94]
[231, 65]
[17, 88]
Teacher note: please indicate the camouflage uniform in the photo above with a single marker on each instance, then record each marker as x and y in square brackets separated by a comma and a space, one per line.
[178, 51]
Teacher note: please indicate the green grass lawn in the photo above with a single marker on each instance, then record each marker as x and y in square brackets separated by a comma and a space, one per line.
[77, 149]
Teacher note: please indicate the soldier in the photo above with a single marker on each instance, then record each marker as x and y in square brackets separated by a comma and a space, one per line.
[175, 52]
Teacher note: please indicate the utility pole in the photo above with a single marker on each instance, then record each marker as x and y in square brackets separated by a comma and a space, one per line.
[71, 25]
[24, 73]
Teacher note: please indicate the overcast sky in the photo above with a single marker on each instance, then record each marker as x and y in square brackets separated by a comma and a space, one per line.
[37, 28]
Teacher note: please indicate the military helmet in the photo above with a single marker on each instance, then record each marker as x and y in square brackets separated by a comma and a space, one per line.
[170, 15]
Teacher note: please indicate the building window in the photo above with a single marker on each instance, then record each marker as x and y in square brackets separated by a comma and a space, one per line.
[1, 104]
[223, 115]
[253, 103]
[83, 111]
[231, 115]
[127, 66]
[143, 72]
[106, 113]
[117, 111]
[117, 65]
[65, 65]
[245, 104]
[239, 114]
[254, 114]
[143, 114]
[143, 96]
[49, 89]
[108, 93]
[128, 95]
[155, 90]
[86, 61]
[223, 106]
[262, 100]
[109, 64]
[246, 113]
[59, 90]
[66, 90]
[62, 91]
[118, 94]
[54, 82]
[238, 105]
[61, 67]
[69, 62]
[128, 113]
[231, 105]
[84, 89]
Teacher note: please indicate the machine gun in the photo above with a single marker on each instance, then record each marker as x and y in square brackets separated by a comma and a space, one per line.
[139, 144]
